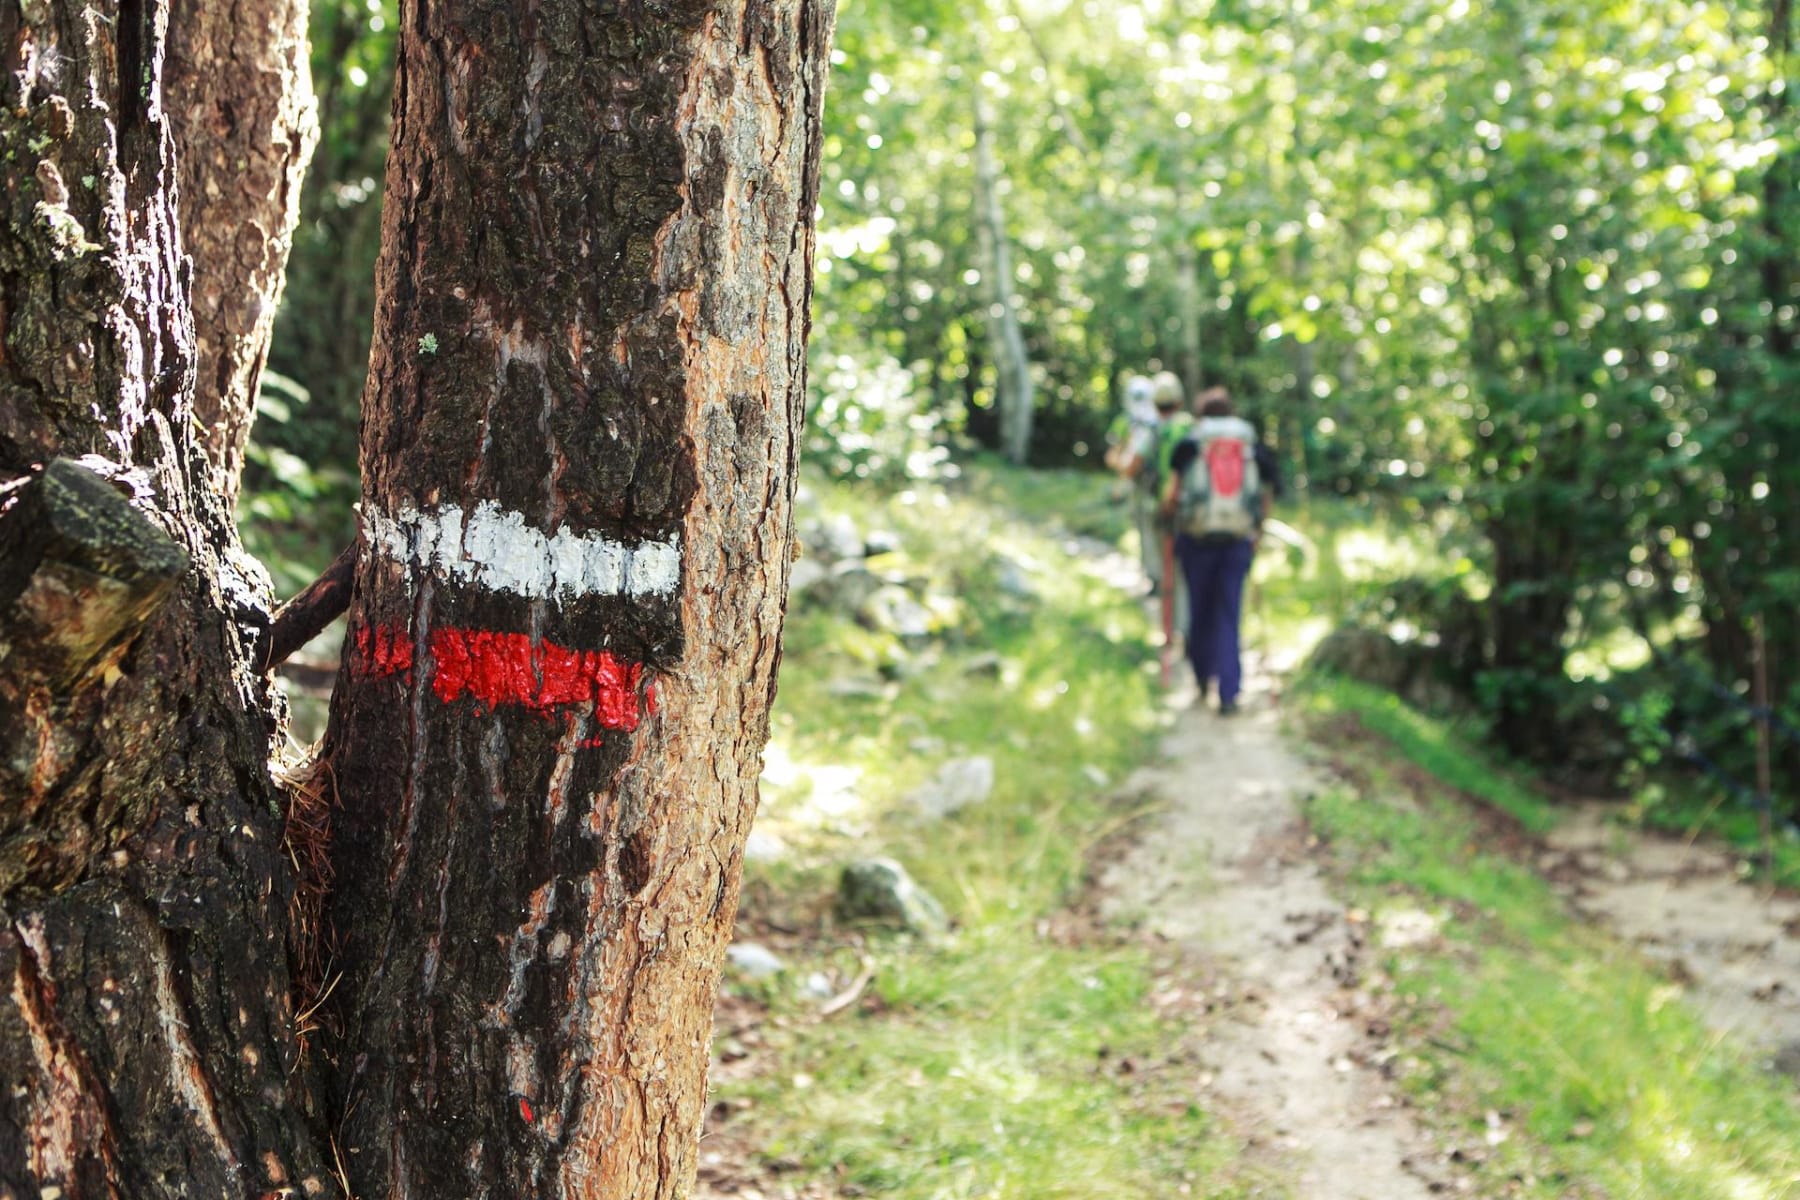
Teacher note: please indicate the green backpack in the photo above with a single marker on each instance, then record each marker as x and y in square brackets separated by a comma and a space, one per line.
[1169, 433]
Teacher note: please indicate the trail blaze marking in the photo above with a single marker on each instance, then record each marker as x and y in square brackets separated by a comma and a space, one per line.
[498, 548]
[509, 670]
[525, 1109]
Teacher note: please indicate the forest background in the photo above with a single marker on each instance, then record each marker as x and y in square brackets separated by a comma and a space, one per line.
[1525, 272]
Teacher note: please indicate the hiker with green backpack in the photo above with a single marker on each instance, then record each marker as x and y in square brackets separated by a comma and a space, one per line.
[1219, 488]
[1131, 445]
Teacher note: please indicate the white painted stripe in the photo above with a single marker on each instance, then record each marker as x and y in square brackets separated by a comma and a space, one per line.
[497, 548]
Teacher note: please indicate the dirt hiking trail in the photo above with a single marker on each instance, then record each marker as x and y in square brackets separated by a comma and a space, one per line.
[1293, 1062]
[1733, 947]
[1229, 875]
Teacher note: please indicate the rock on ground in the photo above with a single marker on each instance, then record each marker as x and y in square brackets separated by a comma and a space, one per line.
[879, 891]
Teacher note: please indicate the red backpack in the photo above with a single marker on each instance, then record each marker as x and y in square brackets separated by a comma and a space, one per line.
[1221, 490]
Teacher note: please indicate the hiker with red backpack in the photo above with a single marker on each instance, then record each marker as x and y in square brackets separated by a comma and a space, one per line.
[1221, 483]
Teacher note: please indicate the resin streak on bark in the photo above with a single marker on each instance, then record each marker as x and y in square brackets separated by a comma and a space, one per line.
[592, 320]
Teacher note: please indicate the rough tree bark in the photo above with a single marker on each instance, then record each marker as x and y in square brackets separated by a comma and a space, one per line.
[594, 309]
[145, 1012]
[578, 447]
[239, 97]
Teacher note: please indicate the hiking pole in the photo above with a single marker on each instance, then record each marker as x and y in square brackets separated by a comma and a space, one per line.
[1765, 784]
[1168, 611]
[1256, 614]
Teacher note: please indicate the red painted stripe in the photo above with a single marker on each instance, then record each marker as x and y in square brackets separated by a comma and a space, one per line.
[386, 650]
[508, 669]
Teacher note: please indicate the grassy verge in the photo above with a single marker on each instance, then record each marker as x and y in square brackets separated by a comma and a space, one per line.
[1013, 1058]
[1595, 1071]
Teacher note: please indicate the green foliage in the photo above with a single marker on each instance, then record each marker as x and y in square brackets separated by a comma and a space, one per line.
[1544, 302]
[1550, 291]
[1645, 720]
[296, 516]
[302, 476]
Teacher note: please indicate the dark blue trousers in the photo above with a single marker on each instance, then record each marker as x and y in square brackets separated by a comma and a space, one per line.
[1215, 574]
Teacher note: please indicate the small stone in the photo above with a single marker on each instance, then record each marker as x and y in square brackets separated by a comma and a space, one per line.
[958, 784]
[849, 585]
[806, 573]
[988, 665]
[1014, 578]
[754, 961]
[851, 687]
[763, 847]
[892, 609]
[834, 539]
[879, 542]
[878, 891]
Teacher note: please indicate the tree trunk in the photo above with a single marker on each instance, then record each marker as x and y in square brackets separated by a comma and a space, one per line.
[609, 252]
[1187, 267]
[1012, 366]
[146, 1020]
[1187, 293]
[578, 451]
[239, 97]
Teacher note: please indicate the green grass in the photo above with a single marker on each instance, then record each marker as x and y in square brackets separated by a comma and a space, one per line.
[1604, 1072]
[1072, 500]
[989, 1063]
[1437, 747]
[1351, 553]
[994, 1070]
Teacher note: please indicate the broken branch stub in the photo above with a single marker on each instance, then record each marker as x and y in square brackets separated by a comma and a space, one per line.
[81, 571]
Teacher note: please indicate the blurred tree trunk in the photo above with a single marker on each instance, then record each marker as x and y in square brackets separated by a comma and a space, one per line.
[1012, 366]
[1187, 267]
[578, 450]
[147, 1014]
[239, 97]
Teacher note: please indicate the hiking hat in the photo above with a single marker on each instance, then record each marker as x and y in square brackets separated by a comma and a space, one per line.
[1165, 389]
[1138, 393]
